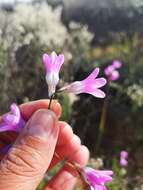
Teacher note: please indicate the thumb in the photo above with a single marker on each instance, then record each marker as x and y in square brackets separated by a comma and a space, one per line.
[27, 161]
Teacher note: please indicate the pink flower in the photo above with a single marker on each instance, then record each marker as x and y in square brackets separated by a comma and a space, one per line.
[13, 120]
[52, 65]
[123, 158]
[96, 179]
[117, 64]
[90, 85]
[111, 71]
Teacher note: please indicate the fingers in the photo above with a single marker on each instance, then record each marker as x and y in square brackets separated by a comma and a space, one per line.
[27, 110]
[69, 147]
[27, 161]
[62, 180]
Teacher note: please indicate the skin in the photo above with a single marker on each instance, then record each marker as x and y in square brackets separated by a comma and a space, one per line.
[42, 143]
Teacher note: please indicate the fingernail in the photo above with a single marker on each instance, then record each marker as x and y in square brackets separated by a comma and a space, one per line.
[56, 107]
[42, 124]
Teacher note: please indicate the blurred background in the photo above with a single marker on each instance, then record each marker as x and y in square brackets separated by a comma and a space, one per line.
[91, 34]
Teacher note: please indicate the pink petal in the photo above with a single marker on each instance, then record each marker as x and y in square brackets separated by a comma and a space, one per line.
[114, 76]
[108, 70]
[15, 110]
[123, 162]
[93, 75]
[89, 85]
[117, 64]
[52, 65]
[107, 172]
[124, 154]
[98, 176]
[99, 187]
[47, 62]
[4, 127]
[59, 62]
[11, 119]
[92, 177]
[97, 93]
[105, 178]
[75, 87]
[61, 58]
[99, 82]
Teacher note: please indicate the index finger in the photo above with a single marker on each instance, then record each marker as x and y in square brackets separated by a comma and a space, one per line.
[27, 109]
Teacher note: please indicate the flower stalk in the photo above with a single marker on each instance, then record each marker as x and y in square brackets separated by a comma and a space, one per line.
[50, 101]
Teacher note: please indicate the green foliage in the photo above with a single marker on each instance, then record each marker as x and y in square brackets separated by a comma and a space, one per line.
[41, 185]
[66, 108]
[120, 176]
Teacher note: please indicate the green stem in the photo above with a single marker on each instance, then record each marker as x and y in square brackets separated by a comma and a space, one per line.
[101, 124]
[102, 120]
[51, 98]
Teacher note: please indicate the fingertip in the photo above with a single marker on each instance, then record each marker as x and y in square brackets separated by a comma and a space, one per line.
[56, 107]
[42, 124]
[27, 109]
[81, 157]
[85, 153]
[65, 133]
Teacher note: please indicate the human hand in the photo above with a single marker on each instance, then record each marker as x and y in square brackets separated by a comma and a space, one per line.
[33, 152]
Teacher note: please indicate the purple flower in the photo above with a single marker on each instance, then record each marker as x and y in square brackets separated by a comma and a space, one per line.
[111, 71]
[13, 120]
[123, 158]
[52, 64]
[96, 179]
[90, 85]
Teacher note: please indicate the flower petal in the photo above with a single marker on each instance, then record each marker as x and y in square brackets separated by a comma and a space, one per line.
[46, 62]
[105, 178]
[93, 75]
[59, 62]
[4, 127]
[100, 187]
[15, 109]
[98, 93]
[124, 154]
[114, 76]
[92, 177]
[107, 172]
[123, 162]
[52, 65]
[117, 64]
[11, 119]
[96, 178]
[52, 79]
[108, 70]
[99, 82]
